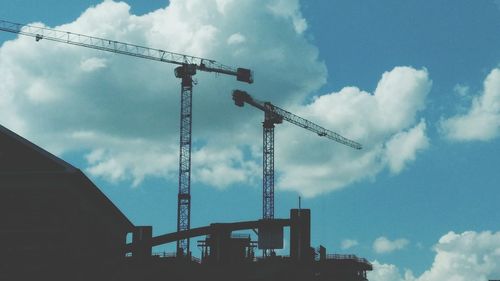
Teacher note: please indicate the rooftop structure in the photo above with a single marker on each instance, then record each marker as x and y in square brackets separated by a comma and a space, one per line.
[55, 223]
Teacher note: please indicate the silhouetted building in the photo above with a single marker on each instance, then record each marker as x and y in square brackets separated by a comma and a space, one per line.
[55, 224]
[53, 220]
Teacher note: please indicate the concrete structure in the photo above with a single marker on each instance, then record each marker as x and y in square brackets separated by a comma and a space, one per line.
[55, 224]
[53, 219]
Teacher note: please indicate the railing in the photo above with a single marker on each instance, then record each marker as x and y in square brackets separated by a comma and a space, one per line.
[240, 235]
[173, 255]
[277, 257]
[346, 257]
[165, 254]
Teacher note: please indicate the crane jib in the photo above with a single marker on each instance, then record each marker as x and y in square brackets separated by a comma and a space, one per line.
[202, 64]
[240, 97]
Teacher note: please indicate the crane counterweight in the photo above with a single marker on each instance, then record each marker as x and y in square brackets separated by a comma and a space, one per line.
[185, 70]
[244, 75]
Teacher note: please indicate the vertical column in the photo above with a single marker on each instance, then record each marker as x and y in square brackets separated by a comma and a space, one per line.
[185, 72]
[268, 169]
[300, 235]
[141, 241]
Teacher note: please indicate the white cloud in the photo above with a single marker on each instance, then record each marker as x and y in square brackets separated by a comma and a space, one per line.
[125, 111]
[385, 122]
[348, 243]
[482, 121]
[383, 245]
[468, 256]
[222, 167]
[91, 64]
[222, 4]
[117, 159]
[388, 272]
[41, 91]
[235, 39]
[461, 90]
[403, 147]
[289, 9]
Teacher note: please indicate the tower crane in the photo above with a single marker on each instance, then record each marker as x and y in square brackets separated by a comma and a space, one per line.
[275, 115]
[187, 68]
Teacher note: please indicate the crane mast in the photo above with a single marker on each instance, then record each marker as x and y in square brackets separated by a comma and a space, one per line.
[268, 166]
[186, 73]
[275, 115]
[188, 65]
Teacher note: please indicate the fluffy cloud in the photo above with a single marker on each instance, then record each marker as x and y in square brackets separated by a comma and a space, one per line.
[482, 121]
[403, 147]
[385, 122]
[92, 64]
[388, 272]
[221, 167]
[461, 90]
[289, 9]
[468, 256]
[383, 245]
[124, 112]
[348, 243]
[236, 39]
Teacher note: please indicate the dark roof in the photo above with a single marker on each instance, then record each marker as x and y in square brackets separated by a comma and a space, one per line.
[21, 158]
[90, 188]
[20, 155]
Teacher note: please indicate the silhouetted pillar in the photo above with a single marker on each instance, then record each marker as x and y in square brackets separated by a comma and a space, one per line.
[322, 253]
[300, 234]
[141, 241]
[220, 245]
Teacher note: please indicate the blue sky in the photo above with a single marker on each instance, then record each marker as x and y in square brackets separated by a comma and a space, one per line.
[429, 166]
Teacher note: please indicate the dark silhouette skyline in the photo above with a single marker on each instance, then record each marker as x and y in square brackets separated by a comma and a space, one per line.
[56, 224]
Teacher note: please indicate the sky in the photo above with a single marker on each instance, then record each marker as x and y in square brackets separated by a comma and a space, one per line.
[416, 82]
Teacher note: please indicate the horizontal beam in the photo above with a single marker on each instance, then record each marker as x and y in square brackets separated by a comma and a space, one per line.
[211, 229]
[110, 45]
[279, 114]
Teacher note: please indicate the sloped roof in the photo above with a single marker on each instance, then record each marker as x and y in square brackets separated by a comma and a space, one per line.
[20, 155]
[21, 158]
